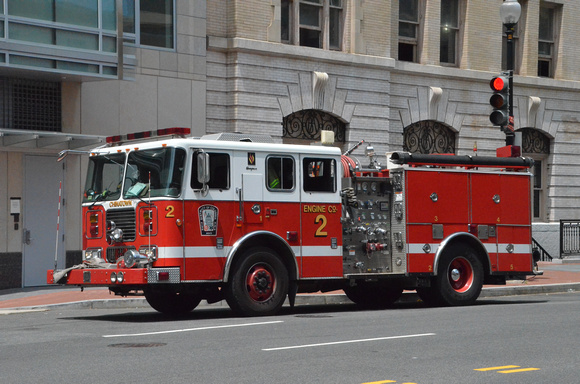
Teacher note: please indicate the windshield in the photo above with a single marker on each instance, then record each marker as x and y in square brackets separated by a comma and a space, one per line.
[154, 172]
[150, 173]
[104, 177]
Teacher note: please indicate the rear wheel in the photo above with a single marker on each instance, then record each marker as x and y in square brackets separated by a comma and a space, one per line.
[172, 303]
[258, 284]
[459, 276]
[428, 296]
[373, 295]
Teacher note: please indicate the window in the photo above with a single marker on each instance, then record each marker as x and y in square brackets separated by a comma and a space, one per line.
[312, 23]
[308, 123]
[76, 12]
[319, 175]
[546, 43]
[151, 21]
[428, 137]
[280, 173]
[30, 104]
[538, 172]
[219, 171]
[449, 31]
[537, 146]
[73, 14]
[408, 30]
[104, 177]
[154, 172]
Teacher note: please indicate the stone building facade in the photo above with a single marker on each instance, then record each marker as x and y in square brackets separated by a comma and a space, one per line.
[435, 97]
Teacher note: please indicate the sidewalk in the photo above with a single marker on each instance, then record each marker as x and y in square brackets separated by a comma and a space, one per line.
[556, 278]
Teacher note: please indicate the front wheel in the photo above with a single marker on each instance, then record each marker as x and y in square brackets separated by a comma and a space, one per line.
[172, 303]
[459, 276]
[258, 284]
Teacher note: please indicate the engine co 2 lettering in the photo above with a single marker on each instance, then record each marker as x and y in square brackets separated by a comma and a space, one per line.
[320, 219]
[312, 208]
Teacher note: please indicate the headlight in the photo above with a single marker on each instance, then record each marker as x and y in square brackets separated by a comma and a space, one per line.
[120, 277]
[150, 252]
[92, 253]
[113, 277]
[116, 235]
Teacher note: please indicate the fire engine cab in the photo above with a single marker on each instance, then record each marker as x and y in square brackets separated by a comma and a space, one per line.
[238, 217]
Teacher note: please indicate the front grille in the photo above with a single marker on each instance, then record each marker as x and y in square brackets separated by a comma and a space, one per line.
[124, 219]
[113, 253]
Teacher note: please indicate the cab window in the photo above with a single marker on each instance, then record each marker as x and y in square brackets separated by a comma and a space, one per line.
[219, 171]
[319, 175]
[280, 173]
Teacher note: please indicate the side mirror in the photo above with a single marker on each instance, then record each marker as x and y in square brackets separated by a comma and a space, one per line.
[203, 167]
[61, 155]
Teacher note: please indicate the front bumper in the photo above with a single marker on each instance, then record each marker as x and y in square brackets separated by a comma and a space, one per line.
[110, 277]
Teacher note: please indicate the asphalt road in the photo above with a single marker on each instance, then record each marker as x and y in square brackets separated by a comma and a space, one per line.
[533, 339]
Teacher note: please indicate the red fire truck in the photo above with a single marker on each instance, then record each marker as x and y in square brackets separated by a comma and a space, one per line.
[238, 217]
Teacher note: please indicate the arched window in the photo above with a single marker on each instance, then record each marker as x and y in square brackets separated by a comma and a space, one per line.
[536, 145]
[428, 137]
[307, 124]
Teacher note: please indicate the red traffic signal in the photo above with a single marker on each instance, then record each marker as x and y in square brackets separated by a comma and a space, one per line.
[499, 100]
[499, 84]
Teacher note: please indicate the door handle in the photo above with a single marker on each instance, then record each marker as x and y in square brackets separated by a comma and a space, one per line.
[26, 239]
[240, 217]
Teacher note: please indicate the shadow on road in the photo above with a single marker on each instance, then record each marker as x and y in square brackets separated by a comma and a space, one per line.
[146, 315]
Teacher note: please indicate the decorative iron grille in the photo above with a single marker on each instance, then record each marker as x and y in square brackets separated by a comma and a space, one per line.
[307, 124]
[30, 104]
[428, 137]
[534, 141]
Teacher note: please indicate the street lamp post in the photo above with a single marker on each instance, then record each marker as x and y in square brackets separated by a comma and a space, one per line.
[510, 12]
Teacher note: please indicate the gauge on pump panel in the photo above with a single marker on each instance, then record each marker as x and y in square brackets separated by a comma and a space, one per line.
[374, 186]
[365, 186]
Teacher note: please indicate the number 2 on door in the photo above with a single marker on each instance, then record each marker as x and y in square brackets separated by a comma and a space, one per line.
[320, 219]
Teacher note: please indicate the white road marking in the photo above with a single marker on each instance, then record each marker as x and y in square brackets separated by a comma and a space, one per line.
[347, 342]
[193, 329]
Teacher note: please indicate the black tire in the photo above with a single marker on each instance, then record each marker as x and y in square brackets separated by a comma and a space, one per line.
[459, 276]
[373, 295]
[172, 303]
[428, 296]
[258, 283]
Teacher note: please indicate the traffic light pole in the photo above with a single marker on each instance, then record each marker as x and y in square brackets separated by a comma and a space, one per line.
[509, 130]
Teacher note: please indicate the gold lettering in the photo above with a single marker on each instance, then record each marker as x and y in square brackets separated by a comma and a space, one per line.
[123, 203]
[314, 209]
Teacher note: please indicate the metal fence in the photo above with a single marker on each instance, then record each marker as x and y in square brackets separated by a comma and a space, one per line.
[539, 253]
[569, 238]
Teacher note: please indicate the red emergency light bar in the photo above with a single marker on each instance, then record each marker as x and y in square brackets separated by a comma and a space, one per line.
[177, 131]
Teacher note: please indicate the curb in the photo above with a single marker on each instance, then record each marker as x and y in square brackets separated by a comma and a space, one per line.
[304, 299]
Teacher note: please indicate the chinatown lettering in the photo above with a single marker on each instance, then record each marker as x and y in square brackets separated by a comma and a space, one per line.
[124, 203]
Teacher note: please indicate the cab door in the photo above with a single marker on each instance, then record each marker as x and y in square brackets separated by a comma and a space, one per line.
[253, 198]
[320, 217]
[209, 216]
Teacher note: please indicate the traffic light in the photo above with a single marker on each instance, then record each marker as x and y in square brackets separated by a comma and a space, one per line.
[499, 100]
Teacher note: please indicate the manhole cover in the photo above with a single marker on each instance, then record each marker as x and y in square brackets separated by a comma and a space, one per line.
[137, 345]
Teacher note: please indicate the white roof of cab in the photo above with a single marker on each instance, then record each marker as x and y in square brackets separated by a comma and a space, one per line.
[223, 145]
